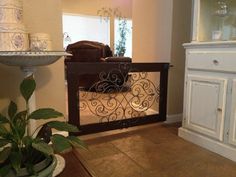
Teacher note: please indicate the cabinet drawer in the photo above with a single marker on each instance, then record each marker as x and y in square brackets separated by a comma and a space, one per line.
[212, 61]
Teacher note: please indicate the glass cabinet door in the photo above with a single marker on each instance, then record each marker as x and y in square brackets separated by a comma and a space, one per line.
[214, 20]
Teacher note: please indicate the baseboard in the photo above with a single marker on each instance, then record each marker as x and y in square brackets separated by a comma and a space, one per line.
[208, 143]
[173, 118]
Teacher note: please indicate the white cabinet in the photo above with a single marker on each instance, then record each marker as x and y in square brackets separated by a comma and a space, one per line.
[209, 115]
[205, 105]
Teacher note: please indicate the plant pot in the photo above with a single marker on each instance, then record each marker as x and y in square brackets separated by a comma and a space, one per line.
[120, 54]
[44, 168]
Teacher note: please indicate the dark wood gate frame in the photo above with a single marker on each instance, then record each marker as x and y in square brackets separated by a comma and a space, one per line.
[75, 69]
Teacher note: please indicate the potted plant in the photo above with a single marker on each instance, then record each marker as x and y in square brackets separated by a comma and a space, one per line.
[123, 29]
[22, 154]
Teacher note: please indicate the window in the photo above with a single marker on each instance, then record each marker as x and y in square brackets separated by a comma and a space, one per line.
[127, 28]
[83, 27]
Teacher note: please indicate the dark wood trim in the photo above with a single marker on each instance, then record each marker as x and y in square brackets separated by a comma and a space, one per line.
[79, 68]
[73, 99]
[100, 127]
[163, 93]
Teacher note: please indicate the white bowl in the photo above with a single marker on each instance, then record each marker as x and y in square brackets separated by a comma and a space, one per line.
[29, 59]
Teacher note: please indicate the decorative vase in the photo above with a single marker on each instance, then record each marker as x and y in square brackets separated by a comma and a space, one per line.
[13, 35]
[40, 42]
[11, 11]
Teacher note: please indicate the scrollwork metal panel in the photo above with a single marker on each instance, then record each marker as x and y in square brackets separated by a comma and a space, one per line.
[119, 95]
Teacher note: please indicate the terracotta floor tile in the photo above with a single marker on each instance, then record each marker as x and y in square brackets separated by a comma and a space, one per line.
[118, 165]
[133, 143]
[153, 151]
[99, 150]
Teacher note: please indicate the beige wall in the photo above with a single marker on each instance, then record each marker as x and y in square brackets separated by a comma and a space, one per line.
[90, 7]
[181, 27]
[39, 16]
[152, 27]
[152, 24]
[158, 37]
[46, 16]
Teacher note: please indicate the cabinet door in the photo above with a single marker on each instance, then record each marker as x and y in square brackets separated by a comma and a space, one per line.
[232, 129]
[205, 105]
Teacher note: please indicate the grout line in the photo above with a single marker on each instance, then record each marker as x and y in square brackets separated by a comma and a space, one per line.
[125, 154]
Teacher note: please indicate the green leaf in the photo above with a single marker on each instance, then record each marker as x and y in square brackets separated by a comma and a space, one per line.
[62, 126]
[3, 131]
[21, 115]
[20, 127]
[60, 143]
[27, 140]
[15, 159]
[45, 113]
[3, 119]
[4, 154]
[43, 147]
[5, 170]
[12, 109]
[27, 87]
[20, 123]
[76, 142]
[3, 142]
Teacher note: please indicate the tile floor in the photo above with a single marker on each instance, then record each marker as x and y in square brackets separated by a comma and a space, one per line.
[152, 151]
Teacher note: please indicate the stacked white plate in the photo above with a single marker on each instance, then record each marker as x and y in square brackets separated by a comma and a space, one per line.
[13, 35]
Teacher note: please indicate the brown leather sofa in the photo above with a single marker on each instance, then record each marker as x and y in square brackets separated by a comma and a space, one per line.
[91, 51]
[88, 51]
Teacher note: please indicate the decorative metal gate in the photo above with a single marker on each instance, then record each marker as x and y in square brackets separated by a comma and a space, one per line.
[120, 94]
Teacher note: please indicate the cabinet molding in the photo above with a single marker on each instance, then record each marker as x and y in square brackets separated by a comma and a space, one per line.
[208, 143]
[205, 105]
[232, 130]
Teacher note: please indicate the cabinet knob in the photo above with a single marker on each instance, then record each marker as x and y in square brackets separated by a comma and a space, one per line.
[219, 109]
[216, 62]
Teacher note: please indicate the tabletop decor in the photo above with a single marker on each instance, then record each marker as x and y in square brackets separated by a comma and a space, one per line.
[28, 61]
[30, 154]
[40, 42]
[13, 34]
